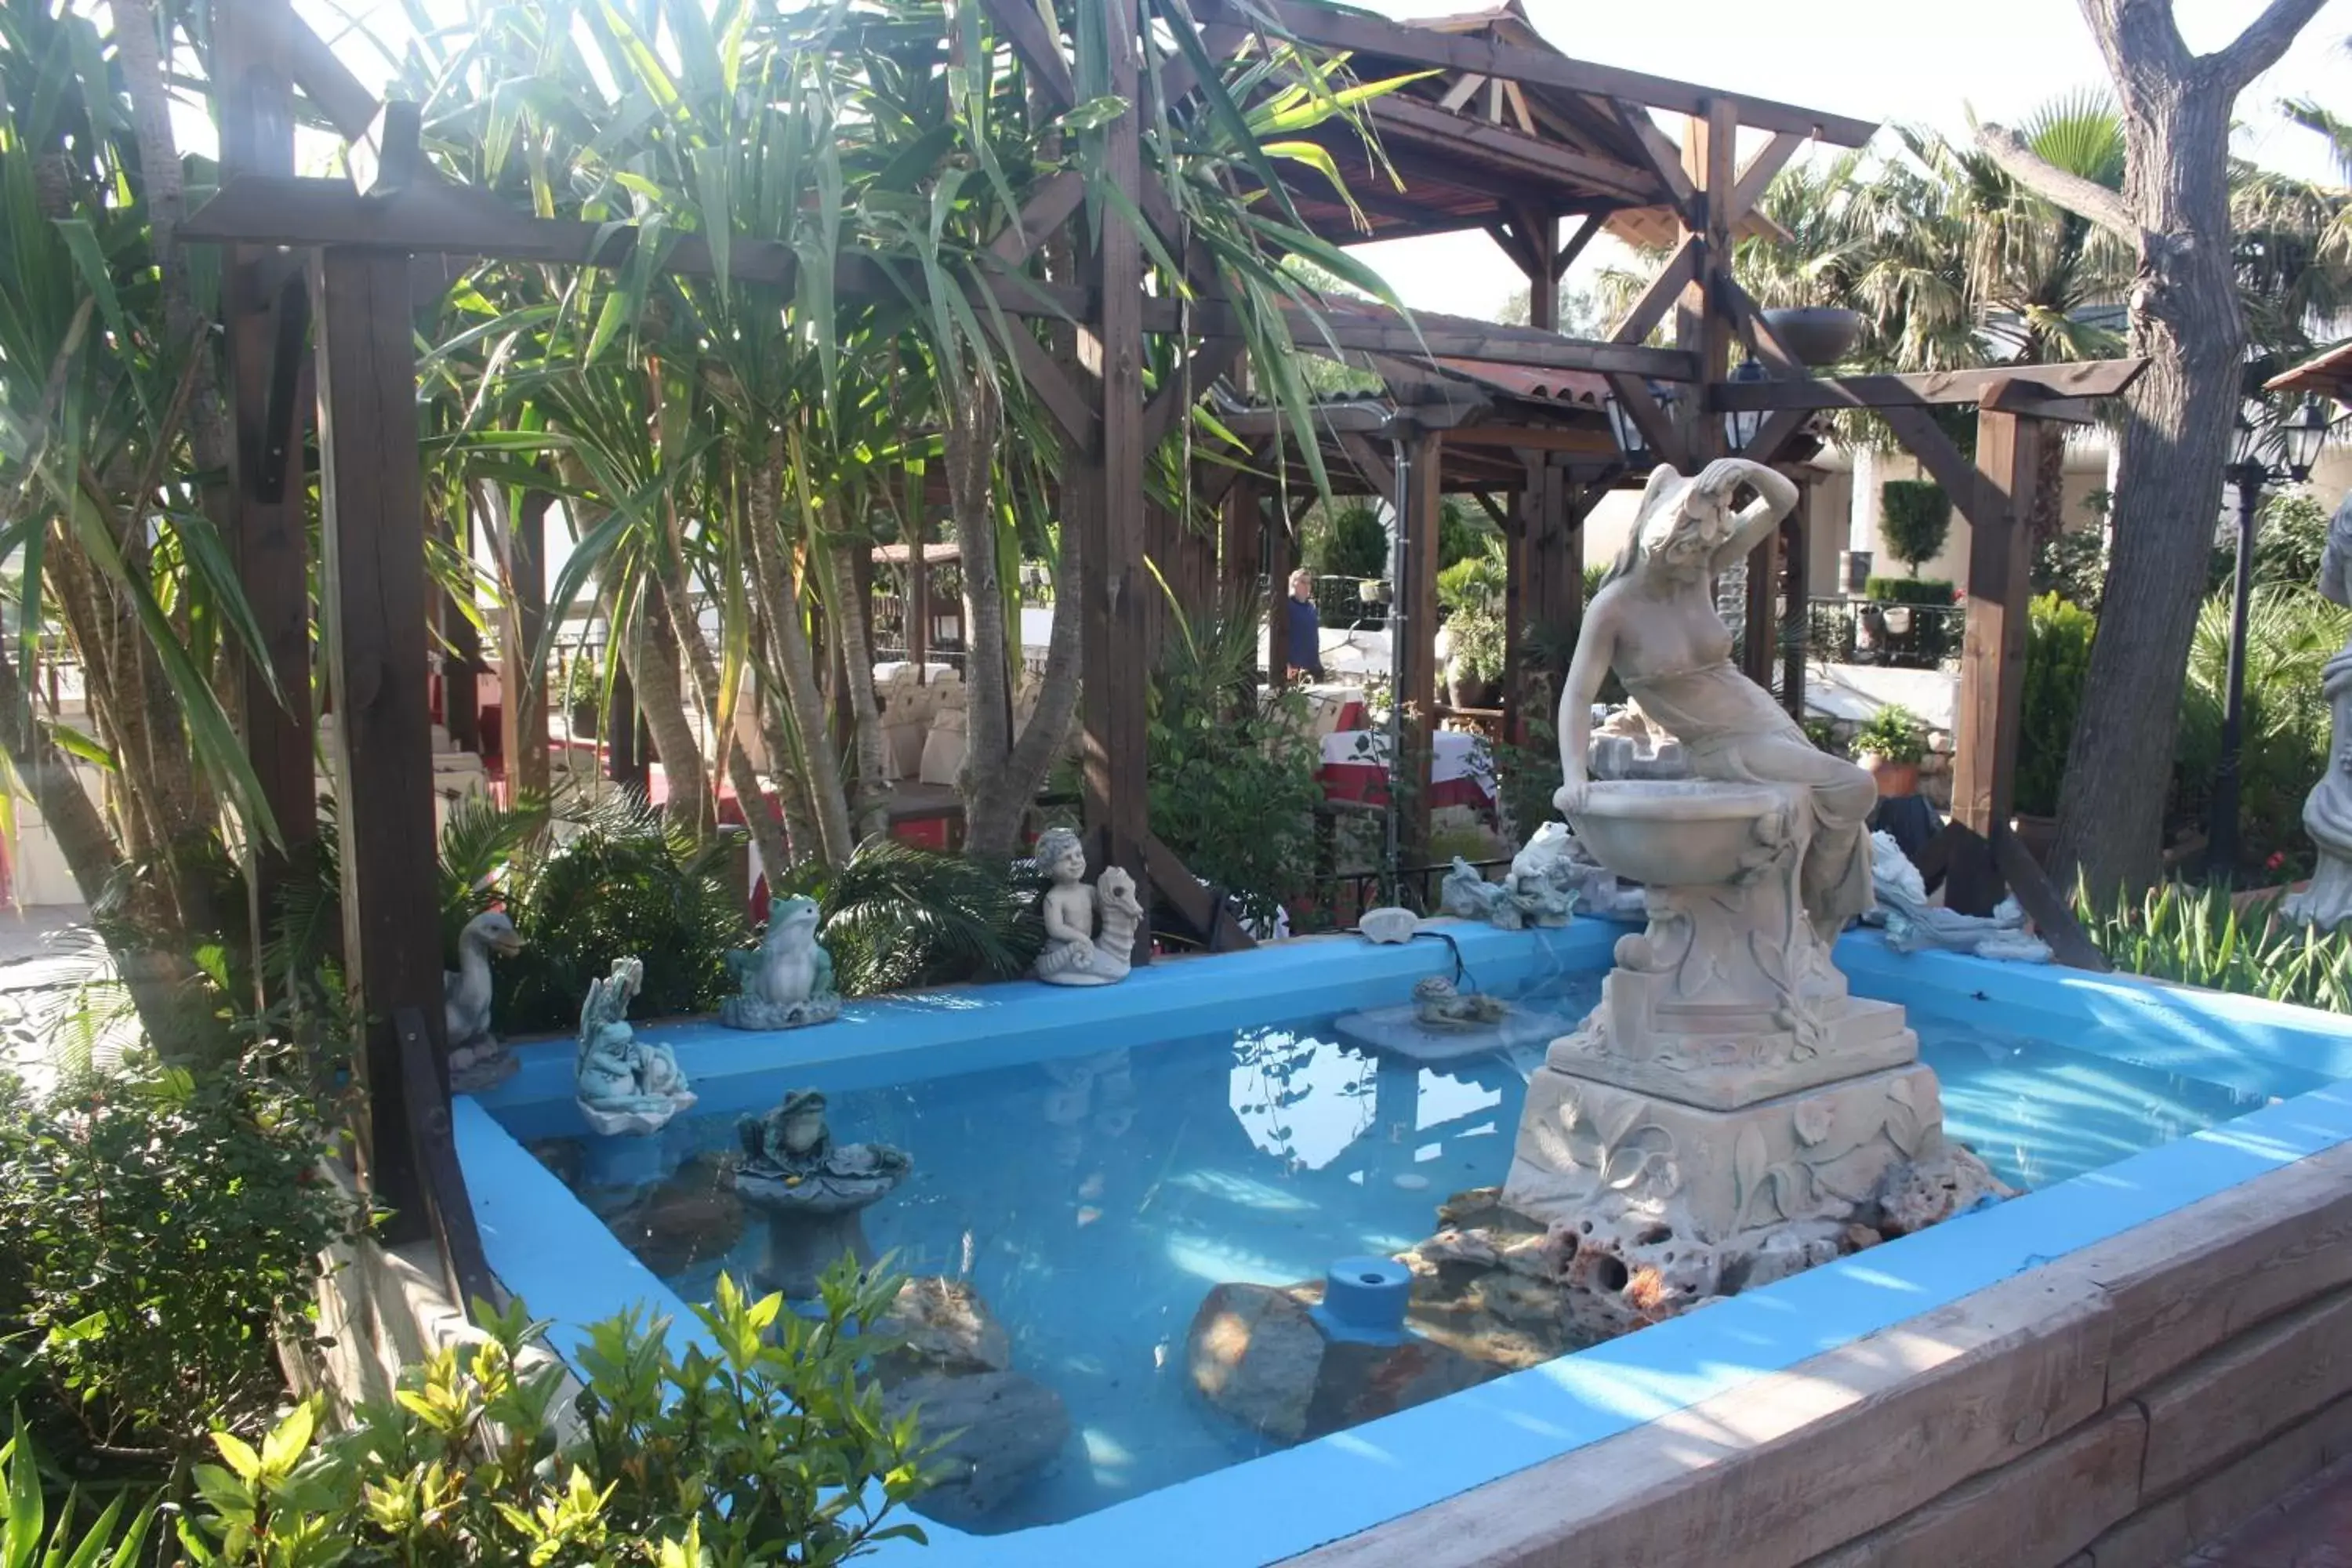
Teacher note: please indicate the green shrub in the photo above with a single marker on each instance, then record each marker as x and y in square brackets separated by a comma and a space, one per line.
[2057, 661]
[898, 917]
[1909, 591]
[1478, 581]
[2073, 564]
[2290, 537]
[1915, 518]
[156, 1228]
[775, 1450]
[2195, 936]
[1463, 530]
[28, 1537]
[1232, 780]
[1594, 574]
[627, 879]
[1893, 735]
[1351, 544]
[2291, 633]
[1475, 636]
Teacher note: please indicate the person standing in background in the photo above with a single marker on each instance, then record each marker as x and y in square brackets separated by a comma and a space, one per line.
[1306, 629]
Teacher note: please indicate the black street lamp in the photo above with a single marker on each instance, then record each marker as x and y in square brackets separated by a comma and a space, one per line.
[2299, 440]
[1742, 425]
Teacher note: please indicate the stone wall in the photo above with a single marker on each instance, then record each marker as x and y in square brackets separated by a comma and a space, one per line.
[2115, 1409]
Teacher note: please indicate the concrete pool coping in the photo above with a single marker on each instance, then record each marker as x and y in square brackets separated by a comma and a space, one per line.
[1364, 1483]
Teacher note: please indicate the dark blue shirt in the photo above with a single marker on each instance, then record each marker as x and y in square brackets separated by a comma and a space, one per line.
[1306, 637]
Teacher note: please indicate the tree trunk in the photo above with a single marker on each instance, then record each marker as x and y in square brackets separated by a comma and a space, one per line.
[848, 619]
[647, 645]
[2186, 321]
[796, 664]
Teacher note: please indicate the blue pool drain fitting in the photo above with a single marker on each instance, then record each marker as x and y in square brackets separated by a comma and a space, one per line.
[1364, 1300]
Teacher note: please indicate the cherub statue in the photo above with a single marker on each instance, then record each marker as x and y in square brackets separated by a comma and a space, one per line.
[624, 1085]
[787, 981]
[2327, 810]
[1077, 951]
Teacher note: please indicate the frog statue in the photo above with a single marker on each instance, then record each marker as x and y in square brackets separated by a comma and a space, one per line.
[624, 1085]
[1438, 1005]
[787, 981]
[811, 1189]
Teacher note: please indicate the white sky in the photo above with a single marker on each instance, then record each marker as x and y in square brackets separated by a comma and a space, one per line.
[1915, 61]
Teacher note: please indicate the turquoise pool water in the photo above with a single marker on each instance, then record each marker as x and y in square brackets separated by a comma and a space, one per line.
[1094, 1200]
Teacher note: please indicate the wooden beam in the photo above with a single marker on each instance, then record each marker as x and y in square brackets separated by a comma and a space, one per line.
[1039, 48]
[2086, 378]
[1241, 546]
[1362, 33]
[1377, 471]
[377, 668]
[433, 1147]
[1201, 907]
[1566, 257]
[1664, 438]
[2027, 400]
[461, 639]
[1665, 289]
[1048, 208]
[265, 312]
[445, 219]
[1759, 642]
[1700, 323]
[1756, 174]
[2051, 913]
[1961, 480]
[1992, 653]
[1053, 383]
[1281, 561]
[1778, 427]
[1581, 440]
[1664, 157]
[1498, 147]
[391, 157]
[1461, 92]
[1184, 387]
[1110, 516]
[1764, 340]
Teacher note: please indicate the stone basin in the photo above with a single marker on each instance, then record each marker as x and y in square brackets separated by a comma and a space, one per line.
[1674, 833]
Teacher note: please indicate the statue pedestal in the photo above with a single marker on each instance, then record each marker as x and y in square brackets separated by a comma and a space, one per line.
[1729, 1110]
[812, 1221]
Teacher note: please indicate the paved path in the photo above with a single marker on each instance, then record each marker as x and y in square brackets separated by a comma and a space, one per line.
[2310, 1527]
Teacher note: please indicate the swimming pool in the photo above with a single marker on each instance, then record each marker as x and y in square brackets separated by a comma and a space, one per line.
[1094, 1195]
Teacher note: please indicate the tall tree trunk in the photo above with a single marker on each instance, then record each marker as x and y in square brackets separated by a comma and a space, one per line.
[2186, 319]
[796, 662]
[647, 645]
[847, 620]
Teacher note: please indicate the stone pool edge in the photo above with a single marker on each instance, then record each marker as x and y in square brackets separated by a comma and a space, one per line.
[1373, 1489]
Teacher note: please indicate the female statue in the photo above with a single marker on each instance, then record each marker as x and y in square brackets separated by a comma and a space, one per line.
[2327, 810]
[1654, 623]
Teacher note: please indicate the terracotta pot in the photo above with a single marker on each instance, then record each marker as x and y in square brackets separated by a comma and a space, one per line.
[1469, 692]
[1896, 780]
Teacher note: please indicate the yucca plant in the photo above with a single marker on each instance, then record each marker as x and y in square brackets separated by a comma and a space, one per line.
[27, 1535]
[2198, 936]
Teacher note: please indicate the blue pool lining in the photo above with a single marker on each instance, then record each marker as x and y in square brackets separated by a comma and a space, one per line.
[550, 1250]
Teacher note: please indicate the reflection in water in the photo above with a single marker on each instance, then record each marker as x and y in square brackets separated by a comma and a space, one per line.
[1301, 1098]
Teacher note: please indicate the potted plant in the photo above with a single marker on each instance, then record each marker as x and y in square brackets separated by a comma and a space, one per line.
[583, 691]
[1890, 746]
[1475, 669]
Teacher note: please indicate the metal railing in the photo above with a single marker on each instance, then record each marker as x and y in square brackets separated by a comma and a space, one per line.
[1870, 631]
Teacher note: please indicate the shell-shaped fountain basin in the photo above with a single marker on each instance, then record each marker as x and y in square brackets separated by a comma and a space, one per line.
[1676, 833]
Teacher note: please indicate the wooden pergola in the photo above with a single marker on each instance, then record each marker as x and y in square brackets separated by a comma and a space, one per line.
[1510, 136]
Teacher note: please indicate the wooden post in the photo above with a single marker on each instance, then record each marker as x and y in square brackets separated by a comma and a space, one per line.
[919, 606]
[1992, 654]
[1796, 593]
[1281, 561]
[522, 699]
[1757, 655]
[1542, 234]
[1416, 662]
[1710, 146]
[461, 662]
[1519, 567]
[265, 530]
[1112, 585]
[377, 663]
[1238, 561]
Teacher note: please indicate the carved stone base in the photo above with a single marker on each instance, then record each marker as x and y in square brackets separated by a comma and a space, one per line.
[801, 1245]
[1587, 1147]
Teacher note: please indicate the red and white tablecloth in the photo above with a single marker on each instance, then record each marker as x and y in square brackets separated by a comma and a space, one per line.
[1355, 767]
